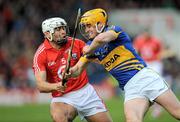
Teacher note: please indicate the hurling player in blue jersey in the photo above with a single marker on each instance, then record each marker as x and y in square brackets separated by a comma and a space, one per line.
[113, 48]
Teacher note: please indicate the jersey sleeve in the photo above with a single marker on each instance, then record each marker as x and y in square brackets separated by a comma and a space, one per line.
[120, 34]
[115, 29]
[39, 62]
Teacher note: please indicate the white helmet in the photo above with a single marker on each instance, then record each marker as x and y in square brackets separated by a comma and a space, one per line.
[52, 23]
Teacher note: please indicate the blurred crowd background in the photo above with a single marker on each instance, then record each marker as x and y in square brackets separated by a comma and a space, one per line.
[20, 35]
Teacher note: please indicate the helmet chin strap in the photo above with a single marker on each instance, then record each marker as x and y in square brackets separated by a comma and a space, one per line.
[99, 31]
[62, 41]
[59, 42]
[50, 39]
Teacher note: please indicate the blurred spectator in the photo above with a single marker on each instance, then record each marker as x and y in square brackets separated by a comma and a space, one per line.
[5, 71]
[150, 49]
[171, 62]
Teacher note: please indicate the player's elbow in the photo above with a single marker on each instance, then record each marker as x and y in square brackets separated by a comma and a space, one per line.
[41, 90]
[40, 87]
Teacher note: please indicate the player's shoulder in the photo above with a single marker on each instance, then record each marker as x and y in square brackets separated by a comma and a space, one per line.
[114, 28]
[40, 50]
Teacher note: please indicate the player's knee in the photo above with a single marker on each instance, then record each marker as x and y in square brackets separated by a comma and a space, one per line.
[70, 117]
[133, 118]
[59, 118]
[176, 114]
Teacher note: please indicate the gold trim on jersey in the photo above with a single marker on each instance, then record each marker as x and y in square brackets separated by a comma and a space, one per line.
[116, 56]
[116, 34]
[131, 61]
[135, 66]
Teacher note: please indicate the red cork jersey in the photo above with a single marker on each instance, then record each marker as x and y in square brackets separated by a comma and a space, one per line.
[150, 50]
[53, 61]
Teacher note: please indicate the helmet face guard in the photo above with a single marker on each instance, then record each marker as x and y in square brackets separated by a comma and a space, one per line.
[82, 29]
[62, 40]
[93, 18]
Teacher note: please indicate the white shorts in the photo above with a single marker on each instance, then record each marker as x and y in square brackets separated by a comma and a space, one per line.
[145, 84]
[85, 100]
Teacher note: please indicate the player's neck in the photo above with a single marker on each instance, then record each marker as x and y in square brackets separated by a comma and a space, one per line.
[56, 46]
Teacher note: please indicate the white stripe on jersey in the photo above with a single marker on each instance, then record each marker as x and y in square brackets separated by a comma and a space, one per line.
[40, 49]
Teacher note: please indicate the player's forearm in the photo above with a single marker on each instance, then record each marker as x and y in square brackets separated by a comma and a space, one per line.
[101, 39]
[76, 71]
[42, 84]
[46, 87]
[97, 42]
[79, 67]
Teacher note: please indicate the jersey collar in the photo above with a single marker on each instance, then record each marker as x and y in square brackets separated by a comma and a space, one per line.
[47, 44]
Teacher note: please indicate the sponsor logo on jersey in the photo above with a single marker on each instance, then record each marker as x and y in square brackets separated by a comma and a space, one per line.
[112, 27]
[74, 55]
[51, 63]
[111, 61]
[116, 57]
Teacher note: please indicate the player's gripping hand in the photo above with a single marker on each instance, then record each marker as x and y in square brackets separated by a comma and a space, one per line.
[68, 74]
[59, 87]
[85, 49]
[87, 54]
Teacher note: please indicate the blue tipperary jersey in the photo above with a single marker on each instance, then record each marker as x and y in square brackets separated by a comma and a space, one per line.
[119, 57]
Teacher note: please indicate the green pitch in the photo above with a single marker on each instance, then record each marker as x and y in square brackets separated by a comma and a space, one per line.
[40, 113]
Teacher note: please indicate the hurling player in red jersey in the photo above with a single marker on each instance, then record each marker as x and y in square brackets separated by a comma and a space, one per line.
[78, 97]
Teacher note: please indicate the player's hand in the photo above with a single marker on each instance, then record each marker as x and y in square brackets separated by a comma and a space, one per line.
[86, 49]
[66, 75]
[59, 87]
[69, 74]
